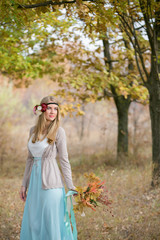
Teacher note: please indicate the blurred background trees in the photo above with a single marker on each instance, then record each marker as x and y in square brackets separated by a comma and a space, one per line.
[45, 38]
[101, 60]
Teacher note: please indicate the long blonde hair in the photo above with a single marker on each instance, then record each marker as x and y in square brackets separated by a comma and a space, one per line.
[41, 123]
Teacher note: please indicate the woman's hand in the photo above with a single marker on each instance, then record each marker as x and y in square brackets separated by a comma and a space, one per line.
[22, 193]
[75, 194]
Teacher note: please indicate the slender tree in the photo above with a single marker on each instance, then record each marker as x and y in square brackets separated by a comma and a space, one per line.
[122, 104]
[141, 19]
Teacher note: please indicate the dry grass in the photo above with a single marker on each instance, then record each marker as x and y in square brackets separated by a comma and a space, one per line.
[136, 206]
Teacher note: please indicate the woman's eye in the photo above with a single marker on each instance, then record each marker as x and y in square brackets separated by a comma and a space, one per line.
[49, 108]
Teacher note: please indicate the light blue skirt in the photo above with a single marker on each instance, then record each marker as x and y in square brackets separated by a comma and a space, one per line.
[44, 211]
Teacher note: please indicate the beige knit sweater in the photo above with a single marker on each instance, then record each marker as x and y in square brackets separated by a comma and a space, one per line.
[50, 172]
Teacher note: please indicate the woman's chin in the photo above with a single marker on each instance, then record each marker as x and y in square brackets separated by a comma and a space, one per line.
[51, 119]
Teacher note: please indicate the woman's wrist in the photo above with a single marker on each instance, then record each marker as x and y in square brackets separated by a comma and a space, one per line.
[74, 190]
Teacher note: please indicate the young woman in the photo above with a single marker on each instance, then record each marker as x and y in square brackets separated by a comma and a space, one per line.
[45, 207]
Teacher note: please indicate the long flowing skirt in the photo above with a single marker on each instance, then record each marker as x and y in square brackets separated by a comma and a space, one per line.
[44, 211]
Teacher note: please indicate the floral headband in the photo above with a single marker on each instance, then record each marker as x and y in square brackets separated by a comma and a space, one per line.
[42, 107]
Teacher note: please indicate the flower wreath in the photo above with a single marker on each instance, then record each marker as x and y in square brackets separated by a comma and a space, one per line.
[42, 107]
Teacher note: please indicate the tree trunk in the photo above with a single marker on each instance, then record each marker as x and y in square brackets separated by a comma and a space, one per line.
[154, 106]
[151, 12]
[82, 123]
[122, 105]
[154, 103]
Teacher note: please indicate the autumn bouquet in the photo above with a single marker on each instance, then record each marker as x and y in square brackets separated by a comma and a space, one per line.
[89, 196]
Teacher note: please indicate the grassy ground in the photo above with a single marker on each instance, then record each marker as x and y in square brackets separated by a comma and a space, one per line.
[136, 206]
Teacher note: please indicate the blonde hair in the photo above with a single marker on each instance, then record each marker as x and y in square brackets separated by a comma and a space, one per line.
[41, 123]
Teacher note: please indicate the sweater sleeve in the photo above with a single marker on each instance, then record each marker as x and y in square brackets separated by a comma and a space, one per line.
[63, 157]
[27, 171]
[26, 175]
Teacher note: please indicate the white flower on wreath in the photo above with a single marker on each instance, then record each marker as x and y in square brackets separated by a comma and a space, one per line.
[39, 108]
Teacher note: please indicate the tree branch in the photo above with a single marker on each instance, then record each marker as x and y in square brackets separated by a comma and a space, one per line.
[106, 93]
[138, 28]
[136, 57]
[110, 61]
[146, 20]
[136, 44]
[139, 69]
[120, 40]
[48, 3]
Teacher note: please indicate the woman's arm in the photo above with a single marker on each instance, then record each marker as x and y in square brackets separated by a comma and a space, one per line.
[28, 165]
[61, 144]
[26, 175]
[23, 194]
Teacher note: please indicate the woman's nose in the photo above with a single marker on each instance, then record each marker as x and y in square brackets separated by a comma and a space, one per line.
[52, 111]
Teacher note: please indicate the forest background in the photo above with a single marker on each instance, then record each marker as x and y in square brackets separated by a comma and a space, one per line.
[104, 92]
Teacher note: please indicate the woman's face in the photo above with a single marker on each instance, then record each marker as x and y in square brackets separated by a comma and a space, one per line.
[51, 112]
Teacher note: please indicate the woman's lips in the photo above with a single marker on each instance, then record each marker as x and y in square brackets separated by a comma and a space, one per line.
[52, 116]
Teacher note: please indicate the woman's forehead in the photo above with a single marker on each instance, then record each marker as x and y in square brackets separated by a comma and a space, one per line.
[52, 104]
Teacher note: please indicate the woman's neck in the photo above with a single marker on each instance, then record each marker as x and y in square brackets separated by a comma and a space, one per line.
[46, 127]
[47, 124]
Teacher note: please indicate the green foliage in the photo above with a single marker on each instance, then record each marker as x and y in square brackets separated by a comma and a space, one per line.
[32, 48]
[23, 49]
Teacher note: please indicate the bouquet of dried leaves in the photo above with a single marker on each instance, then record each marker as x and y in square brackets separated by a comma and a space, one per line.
[89, 196]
